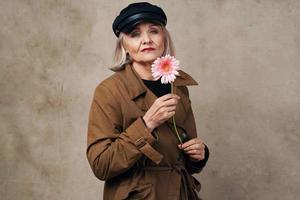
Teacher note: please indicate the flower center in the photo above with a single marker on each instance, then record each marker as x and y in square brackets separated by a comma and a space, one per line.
[166, 66]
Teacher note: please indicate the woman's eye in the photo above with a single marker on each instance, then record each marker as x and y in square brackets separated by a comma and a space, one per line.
[154, 31]
[134, 34]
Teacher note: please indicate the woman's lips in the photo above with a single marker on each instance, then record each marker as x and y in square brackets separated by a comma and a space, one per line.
[148, 49]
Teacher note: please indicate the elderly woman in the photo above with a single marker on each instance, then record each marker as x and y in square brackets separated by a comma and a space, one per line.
[131, 143]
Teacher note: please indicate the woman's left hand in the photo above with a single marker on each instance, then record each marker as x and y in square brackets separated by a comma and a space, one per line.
[195, 148]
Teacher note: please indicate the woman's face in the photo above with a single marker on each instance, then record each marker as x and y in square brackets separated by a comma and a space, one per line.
[145, 43]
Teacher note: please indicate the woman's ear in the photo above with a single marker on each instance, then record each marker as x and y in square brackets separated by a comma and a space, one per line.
[128, 58]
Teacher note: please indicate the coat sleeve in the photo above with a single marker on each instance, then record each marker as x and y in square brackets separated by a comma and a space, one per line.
[190, 126]
[111, 150]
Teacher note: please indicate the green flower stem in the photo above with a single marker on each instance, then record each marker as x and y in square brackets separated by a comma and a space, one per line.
[173, 119]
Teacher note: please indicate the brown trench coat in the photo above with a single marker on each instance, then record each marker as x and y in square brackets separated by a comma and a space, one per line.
[133, 162]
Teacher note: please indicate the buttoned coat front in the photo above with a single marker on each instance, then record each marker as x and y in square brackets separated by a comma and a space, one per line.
[133, 162]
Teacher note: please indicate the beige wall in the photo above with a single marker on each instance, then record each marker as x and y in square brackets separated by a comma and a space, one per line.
[245, 55]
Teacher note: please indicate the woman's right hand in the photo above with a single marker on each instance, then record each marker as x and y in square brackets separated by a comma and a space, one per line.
[161, 110]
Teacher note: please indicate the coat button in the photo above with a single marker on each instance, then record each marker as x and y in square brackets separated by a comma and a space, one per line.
[184, 137]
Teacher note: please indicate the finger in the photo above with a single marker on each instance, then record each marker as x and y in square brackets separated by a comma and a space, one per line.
[190, 142]
[168, 96]
[171, 114]
[196, 146]
[162, 105]
[166, 106]
[164, 111]
[160, 101]
[164, 116]
[195, 152]
[170, 102]
[194, 149]
[171, 108]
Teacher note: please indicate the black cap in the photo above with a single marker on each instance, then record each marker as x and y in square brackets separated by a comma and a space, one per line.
[136, 13]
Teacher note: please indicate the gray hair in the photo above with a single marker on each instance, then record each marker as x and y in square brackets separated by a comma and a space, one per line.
[121, 58]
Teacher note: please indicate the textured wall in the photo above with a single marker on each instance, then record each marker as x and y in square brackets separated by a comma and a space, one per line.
[244, 54]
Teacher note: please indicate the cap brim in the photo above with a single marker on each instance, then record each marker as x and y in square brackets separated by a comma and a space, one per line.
[130, 27]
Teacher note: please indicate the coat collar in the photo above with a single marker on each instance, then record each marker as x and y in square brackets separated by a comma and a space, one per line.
[136, 86]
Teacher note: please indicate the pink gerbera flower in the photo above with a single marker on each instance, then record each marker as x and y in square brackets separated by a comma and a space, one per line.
[165, 68]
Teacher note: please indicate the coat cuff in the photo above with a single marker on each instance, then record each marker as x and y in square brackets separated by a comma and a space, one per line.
[142, 138]
[196, 167]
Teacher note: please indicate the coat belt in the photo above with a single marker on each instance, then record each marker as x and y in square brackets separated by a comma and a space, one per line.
[188, 181]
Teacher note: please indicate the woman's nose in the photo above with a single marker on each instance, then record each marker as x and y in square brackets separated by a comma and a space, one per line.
[146, 38]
